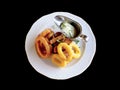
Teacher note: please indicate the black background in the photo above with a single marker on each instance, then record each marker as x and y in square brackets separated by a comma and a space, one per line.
[19, 18]
[32, 16]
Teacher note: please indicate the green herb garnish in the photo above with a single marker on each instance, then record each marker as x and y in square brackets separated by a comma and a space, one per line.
[76, 41]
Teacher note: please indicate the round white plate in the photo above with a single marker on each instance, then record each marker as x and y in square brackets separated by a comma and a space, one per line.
[46, 67]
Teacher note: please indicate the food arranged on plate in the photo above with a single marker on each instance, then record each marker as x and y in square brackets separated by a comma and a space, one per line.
[60, 40]
[60, 46]
[55, 45]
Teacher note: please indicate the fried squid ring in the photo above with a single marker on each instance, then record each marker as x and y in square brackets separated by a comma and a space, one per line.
[67, 54]
[76, 50]
[47, 32]
[42, 47]
[57, 60]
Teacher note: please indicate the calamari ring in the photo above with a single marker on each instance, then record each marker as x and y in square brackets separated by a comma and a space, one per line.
[46, 32]
[76, 50]
[42, 47]
[62, 54]
[57, 60]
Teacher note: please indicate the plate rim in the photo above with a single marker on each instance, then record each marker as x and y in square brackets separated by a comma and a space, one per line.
[72, 75]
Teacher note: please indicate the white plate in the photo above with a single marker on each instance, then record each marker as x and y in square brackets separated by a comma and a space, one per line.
[45, 67]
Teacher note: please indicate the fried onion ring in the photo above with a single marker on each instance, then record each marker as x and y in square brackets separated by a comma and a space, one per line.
[76, 50]
[46, 32]
[42, 47]
[67, 51]
[57, 60]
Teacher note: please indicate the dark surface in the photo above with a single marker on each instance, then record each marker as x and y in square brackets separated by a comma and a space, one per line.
[32, 15]
[17, 19]
[30, 73]
[24, 15]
